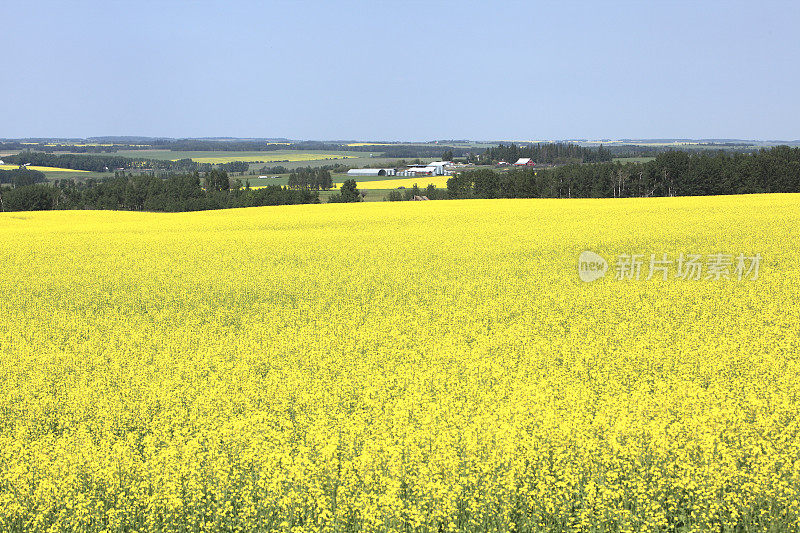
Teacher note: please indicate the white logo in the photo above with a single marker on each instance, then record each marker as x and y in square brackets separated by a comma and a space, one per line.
[591, 266]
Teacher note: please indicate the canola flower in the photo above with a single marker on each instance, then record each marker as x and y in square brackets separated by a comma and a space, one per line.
[425, 366]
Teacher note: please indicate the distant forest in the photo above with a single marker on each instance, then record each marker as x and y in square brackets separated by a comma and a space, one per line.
[672, 173]
[21, 177]
[108, 163]
[148, 193]
[549, 153]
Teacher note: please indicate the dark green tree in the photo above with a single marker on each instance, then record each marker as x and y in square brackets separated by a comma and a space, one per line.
[347, 193]
[217, 181]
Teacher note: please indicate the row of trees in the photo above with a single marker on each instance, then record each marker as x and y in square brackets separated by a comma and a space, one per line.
[549, 153]
[231, 166]
[430, 192]
[311, 178]
[148, 193]
[673, 173]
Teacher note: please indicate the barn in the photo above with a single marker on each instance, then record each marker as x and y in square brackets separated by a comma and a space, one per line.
[524, 162]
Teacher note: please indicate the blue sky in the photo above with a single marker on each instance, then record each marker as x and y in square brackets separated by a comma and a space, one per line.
[407, 70]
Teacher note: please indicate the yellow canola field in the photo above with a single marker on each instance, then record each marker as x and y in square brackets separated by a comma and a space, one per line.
[421, 181]
[411, 366]
[42, 169]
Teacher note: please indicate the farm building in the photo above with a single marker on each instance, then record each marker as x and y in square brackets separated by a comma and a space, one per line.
[419, 171]
[524, 162]
[371, 172]
[436, 168]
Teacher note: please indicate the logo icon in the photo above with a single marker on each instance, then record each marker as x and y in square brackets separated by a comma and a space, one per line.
[591, 266]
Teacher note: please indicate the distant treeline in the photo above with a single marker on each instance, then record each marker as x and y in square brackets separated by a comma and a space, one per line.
[564, 153]
[548, 153]
[391, 150]
[413, 151]
[148, 193]
[97, 163]
[431, 192]
[77, 148]
[108, 163]
[651, 151]
[672, 173]
[280, 169]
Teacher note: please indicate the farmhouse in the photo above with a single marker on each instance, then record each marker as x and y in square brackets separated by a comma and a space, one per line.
[371, 172]
[524, 162]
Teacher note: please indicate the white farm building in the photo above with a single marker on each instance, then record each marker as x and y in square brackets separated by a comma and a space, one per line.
[371, 172]
[419, 171]
[435, 168]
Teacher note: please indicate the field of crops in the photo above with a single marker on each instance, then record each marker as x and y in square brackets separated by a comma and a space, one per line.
[228, 156]
[42, 169]
[410, 366]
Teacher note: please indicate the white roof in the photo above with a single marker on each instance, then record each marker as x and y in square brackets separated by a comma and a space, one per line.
[440, 163]
[422, 169]
[523, 161]
[365, 171]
